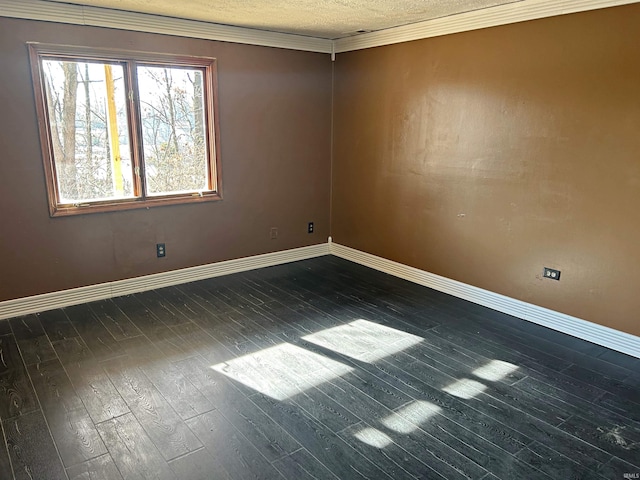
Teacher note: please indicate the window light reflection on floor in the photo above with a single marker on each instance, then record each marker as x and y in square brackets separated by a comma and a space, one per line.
[282, 371]
[364, 340]
[408, 418]
[465, 388]
[495, 370]
[373, 437]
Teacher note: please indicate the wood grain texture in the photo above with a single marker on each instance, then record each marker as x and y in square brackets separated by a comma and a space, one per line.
[5, 326]
[305, 371]
[264, 433]
[100, 397]
[71, 426]
[161, 423]
[114, 319]
[36, 349]
[99, 468]
[5, 463]
[9, 354]
[27, 326]
[72, 350]
[199, 465]
[134, 454]
[327, 447]
[17, 396]
[95, 335]
[56, 325]
[230, 448]
[181, 394]
[301, 464]
[31, 448]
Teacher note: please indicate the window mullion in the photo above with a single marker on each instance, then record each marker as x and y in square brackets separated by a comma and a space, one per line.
[137, 151]
[210, 88]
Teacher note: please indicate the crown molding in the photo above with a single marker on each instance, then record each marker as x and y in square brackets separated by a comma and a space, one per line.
[141, 22]
[519, 11]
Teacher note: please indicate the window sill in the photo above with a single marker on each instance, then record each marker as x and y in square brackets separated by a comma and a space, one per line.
[65, 210]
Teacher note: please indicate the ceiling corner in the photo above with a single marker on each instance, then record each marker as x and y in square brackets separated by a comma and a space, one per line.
[477, 19]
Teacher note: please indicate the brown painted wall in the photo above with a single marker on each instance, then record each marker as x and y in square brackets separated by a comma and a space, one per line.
[275, 124]
[484, 156]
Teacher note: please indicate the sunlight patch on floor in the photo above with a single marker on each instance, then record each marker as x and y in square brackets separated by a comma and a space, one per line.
[373, 437]
[364, 340]
[465, 388]
[282, 371]
[495, 370]
[410, 417]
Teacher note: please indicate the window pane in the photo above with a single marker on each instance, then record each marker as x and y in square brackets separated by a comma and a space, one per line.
[173, 129]
[88, 127]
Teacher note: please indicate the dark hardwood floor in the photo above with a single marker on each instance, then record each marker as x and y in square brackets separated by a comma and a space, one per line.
[316, 369]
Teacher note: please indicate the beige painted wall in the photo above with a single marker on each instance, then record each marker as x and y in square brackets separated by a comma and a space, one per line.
[486, 155]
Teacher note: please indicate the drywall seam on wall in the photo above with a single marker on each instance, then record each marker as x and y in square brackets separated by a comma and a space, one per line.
[592, 332]
[75, 296]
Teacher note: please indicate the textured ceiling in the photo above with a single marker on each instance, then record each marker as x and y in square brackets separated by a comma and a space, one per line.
[326, 19]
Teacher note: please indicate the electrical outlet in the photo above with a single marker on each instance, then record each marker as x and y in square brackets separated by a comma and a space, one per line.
[160, 250]
[273, 233]
[310, 227]
[551, 273]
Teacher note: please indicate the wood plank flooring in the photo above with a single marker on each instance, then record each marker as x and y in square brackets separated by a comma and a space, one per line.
[321, 369]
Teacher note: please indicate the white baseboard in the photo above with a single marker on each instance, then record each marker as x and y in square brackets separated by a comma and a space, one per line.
[592, 332]
[75, 296]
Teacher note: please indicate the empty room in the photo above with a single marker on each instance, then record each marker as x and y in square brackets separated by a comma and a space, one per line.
[319, 240]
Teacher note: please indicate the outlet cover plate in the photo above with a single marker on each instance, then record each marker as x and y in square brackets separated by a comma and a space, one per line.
[551, 273]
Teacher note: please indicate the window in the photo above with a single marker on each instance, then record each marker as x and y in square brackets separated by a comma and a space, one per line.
[125, 130]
